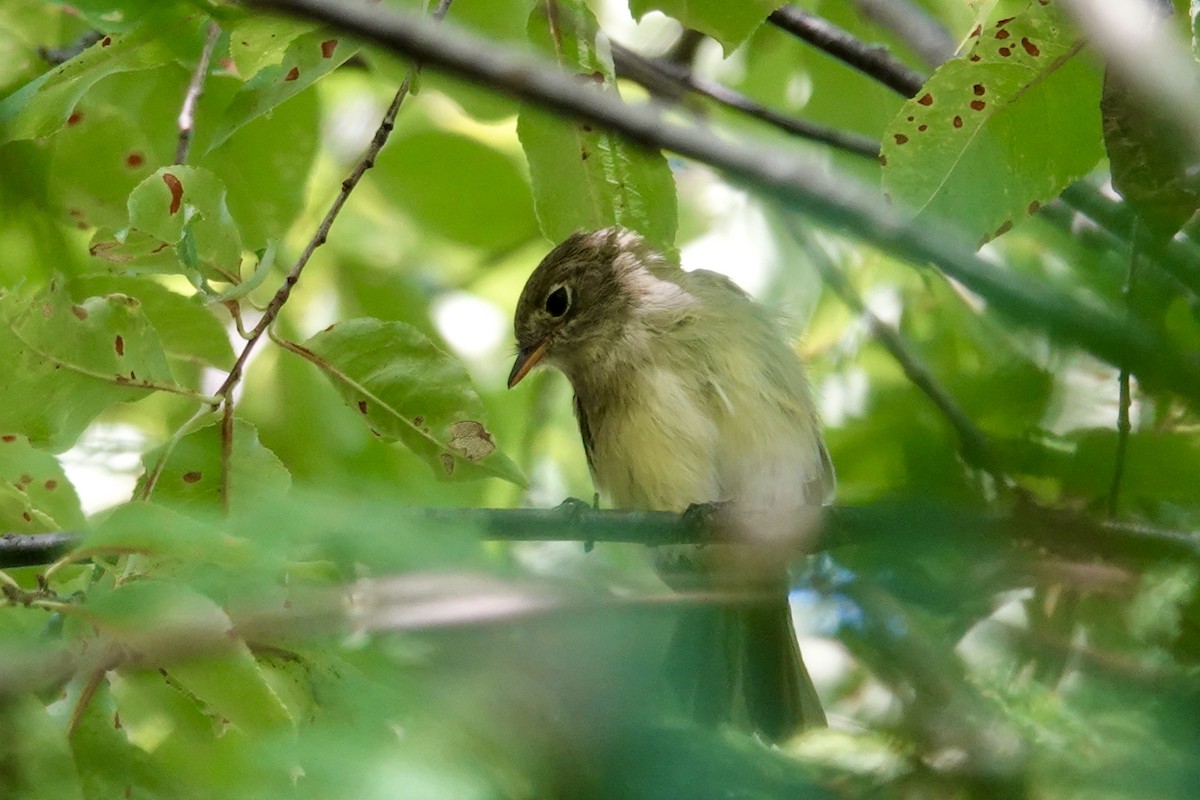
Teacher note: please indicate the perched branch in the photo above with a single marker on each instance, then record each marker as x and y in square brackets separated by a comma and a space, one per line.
[33, 549]
[195, 90]
[840, 202]
[872, 60]
[574, 521]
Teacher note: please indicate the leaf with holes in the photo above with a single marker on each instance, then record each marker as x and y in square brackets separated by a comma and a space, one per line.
[408, 390]
[191, 476]
[43, 496]
[307, 59]
[999, 130]
[585, 177]
[67, 362]
[730, 23]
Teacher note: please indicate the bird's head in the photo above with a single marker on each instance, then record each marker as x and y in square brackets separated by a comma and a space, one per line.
[577, 304]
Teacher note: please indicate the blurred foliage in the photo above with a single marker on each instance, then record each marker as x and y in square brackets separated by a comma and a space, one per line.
[259, 609]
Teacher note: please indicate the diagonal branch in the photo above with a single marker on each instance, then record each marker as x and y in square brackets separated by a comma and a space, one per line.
[874, 61]
[656, 74]
[836, 201]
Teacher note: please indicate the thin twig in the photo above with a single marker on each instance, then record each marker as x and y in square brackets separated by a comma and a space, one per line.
[226, 455]
[838, 201]
[874, 61]
[225, 392]
[322, 233]
[653, 73]
[1124, 400]
[195, 90]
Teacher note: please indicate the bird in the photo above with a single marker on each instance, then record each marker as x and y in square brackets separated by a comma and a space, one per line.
[688, 396]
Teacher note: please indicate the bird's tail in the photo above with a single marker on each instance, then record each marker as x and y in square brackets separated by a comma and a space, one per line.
[742, 665]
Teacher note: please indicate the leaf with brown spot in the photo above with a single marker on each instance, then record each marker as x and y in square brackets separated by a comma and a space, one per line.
[176, 188]
[274, 75]
[191, 477]
[35, 485]
[413, 393]
[1037, 131]
[471, 439]
[63, 367]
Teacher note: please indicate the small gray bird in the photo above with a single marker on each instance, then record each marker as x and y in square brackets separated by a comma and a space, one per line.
[687, 393]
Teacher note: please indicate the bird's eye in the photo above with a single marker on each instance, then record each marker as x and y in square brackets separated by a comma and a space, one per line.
[558, 301]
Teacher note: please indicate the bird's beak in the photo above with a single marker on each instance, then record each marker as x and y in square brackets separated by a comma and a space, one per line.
[526, 360]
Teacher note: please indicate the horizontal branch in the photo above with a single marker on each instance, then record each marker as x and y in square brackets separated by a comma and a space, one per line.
[839, 526]
[837, 200]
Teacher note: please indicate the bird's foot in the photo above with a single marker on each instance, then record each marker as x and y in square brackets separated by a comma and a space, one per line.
[705, 516]
[573, 507]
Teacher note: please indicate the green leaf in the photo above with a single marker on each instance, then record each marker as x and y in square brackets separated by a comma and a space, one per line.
[145, 614]
[33, 478]
[425, 174]
[730, 23]
[65, 363]
[265, 167]
[156, 530]
[1148, 161]
[105, 151]
[410, 391]
[17, 512]
[38, 756]
[188, 328]
[1000, 130]
[45, 104]
[109, 764]
[181, 207]
[584, 177]
[112, 16]
[191, 477]
[258, 42]
[308, 58]
[1159, 467]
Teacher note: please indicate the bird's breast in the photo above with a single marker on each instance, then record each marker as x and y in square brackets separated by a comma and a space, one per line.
[653, 441]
